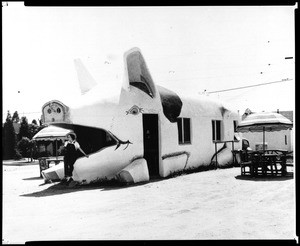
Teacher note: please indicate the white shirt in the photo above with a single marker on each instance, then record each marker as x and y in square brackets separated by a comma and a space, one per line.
[76, 144]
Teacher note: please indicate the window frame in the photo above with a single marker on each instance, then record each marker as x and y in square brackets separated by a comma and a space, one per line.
[184, 130]
[215, 132]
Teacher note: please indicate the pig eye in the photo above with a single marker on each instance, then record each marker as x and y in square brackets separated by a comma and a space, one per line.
[49, 111]
[134, 110]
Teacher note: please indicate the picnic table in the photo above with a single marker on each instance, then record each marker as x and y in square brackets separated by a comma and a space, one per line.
[268, 162]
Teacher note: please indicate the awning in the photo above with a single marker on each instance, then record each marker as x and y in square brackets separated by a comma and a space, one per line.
[51, 133]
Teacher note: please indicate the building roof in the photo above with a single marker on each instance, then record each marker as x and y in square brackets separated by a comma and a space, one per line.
[287, 114]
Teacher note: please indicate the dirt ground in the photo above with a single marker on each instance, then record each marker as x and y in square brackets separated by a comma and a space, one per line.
[215, 204]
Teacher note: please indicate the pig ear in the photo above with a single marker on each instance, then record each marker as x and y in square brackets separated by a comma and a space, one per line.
[137, 73]
[85, 79]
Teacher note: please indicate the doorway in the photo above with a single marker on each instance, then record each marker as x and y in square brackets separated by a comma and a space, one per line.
[151, 153]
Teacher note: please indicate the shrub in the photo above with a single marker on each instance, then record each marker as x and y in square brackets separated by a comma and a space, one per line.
[25, 147]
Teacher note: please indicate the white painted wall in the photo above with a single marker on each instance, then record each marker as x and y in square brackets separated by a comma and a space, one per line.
[274, 140]
[201, 112]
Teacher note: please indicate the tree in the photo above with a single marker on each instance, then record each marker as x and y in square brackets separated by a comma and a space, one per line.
[34, 122]
[25, 146]
[3, 142]
[9, 138]
[15, 117]
[24, 128]
[33, 129]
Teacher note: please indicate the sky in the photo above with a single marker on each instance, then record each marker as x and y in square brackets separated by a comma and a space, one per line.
[190, 50]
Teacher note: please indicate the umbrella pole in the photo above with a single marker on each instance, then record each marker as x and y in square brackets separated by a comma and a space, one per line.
[263, 140]
[56, 148]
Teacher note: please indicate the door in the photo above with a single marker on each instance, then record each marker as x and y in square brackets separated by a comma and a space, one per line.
[151, 153]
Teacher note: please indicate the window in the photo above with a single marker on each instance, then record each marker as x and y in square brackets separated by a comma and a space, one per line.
[216, 130]
[235, 124]
[184, 130]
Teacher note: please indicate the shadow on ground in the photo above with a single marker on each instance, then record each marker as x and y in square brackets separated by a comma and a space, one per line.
[19, 163]
[59, 188]
[268, 178]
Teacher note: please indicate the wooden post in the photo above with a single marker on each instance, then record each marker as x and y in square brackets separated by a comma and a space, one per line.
[216, 151]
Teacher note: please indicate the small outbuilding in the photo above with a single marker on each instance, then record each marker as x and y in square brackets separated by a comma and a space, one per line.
[49, 144]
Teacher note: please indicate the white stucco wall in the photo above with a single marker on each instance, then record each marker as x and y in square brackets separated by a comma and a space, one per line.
[173, 164]
[274, 140]
[201, 113]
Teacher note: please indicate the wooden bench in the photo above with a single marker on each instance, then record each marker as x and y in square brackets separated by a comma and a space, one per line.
[44, 162]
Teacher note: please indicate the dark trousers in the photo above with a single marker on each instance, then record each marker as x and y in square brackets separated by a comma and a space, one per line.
[69, 166]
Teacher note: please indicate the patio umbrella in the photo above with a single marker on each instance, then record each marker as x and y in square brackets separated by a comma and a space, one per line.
[262, 122]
